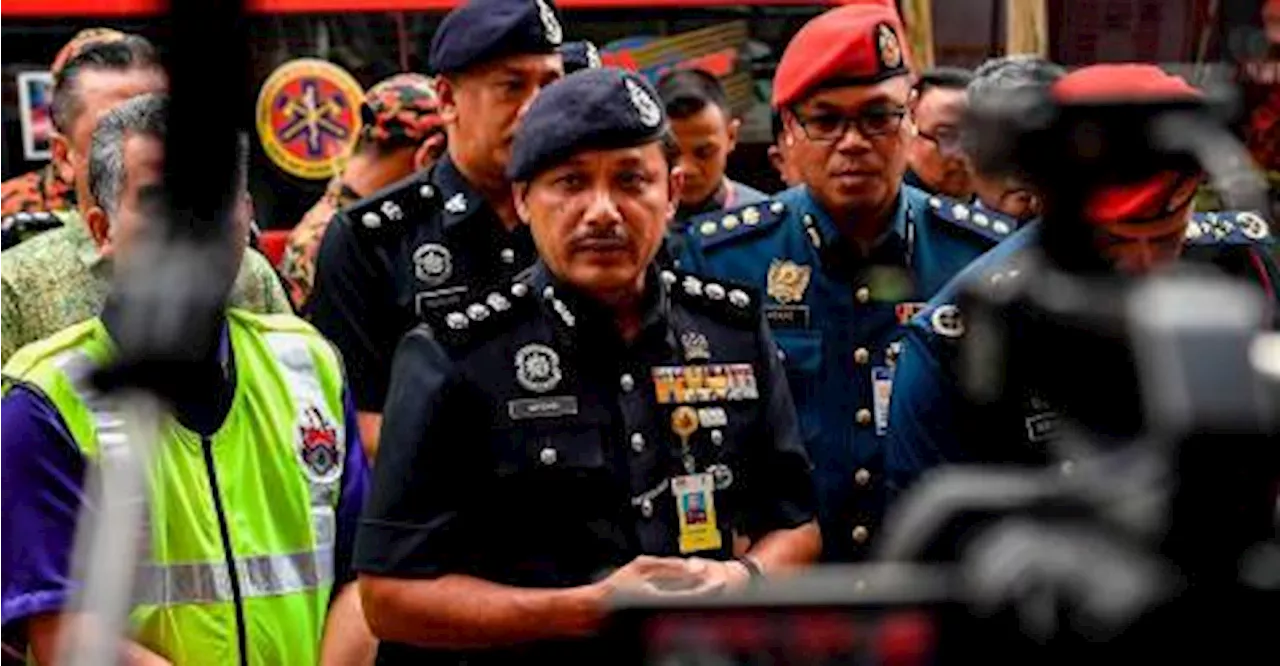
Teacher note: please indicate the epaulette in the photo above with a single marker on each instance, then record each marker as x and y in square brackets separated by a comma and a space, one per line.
[722, 226]
[18, 227]
[1228, 228]
[734, 303]
[987, 224]
[387, 210]
[486, 316]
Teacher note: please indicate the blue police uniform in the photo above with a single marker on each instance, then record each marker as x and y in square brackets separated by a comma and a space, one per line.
[929, 423]
[836, 315]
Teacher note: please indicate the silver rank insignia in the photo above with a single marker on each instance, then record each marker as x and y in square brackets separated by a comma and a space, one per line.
[456, 204]
[695, 346]
[432, 264]
[538, 368]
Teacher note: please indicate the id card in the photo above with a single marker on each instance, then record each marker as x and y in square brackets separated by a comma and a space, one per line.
[881, 390]
[696, 507]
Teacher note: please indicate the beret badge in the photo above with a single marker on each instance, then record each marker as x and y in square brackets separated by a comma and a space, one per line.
[555, 34]
[888, 47]
[650, 114]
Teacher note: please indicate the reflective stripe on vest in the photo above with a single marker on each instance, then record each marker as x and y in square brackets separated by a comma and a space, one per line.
[210, 582]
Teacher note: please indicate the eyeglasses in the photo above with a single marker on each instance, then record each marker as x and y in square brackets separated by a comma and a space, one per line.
[946, 139]
[826, 126]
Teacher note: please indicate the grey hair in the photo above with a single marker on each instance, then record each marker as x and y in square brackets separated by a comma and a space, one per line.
[995, 83]
[146, 115]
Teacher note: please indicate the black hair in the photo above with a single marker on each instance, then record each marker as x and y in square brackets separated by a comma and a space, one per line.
[121, 55]
[946, 78]
[688, 91]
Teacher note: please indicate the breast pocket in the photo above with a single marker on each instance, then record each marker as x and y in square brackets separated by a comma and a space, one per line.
[802, 357]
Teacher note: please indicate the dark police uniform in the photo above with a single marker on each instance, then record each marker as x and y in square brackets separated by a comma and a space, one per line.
[929, 424]
[425, 243]
[837, 316]
[525, 443]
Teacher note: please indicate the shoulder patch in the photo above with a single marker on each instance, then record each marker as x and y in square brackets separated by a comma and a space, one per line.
[387, 210]
[726, 301]
[985, 223]
[943, 320]
[485, 316]
[716, 228]
[1229, 228]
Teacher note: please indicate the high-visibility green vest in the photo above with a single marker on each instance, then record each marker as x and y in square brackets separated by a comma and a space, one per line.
[262, 493]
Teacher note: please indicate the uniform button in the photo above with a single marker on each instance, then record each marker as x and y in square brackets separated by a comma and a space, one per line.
[863, 294]
[646, 507]
[717, 437]
[861, 356]
[863, 416]
[627, 383]
[862, 477]
[507, 255]
[637, 442]
[860, 534]
[548, 456]
[782, 356]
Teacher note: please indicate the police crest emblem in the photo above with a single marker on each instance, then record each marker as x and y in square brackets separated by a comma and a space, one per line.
[888, 47]
[650, 114]
[787, 281]
[318, 446]
[555, 33]
[1252, 226]
[432, 264]
[538, 368]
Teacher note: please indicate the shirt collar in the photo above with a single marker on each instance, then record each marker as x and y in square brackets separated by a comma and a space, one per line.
[829, 233]
[459, 198]
[575, 312]
[86, 249]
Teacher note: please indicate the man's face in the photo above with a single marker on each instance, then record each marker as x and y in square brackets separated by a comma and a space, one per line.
[859, 170]
[1139, 247]
[99, 90]
[706, 138]
[598, 218]
[141, 196]
[484, 105]
[1010, 196]
[934, 152]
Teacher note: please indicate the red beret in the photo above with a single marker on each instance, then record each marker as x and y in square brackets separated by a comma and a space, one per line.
[858, 44]
[1119, 83]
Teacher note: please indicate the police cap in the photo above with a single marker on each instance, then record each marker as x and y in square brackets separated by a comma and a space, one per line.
[600, 108]
[483, 30]
[579, 55]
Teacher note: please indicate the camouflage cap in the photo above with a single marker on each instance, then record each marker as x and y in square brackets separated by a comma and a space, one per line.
[401, 108]
[78, 43]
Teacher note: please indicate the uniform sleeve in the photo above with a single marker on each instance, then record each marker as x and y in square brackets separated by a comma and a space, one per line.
[10, 322]
[421, 517]
[355, 488]
[924, 423]
[351, 304]
[780, 475]
[258, 288]
[41, 492]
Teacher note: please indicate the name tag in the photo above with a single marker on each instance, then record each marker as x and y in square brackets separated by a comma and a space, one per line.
[544, 407]
[424, 301]
[716, 382]
[787, 316]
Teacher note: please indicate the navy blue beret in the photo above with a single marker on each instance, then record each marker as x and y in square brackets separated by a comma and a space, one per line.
[598, 108]
[579, 55]
[482, 30]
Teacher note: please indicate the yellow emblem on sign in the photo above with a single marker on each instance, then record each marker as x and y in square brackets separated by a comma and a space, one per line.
[308, 117]
[787, 281]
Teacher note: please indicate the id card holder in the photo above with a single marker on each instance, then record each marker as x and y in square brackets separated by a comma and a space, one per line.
[696, 509]
[881, 390]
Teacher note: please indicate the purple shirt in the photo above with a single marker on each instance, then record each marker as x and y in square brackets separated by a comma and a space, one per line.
[42, 490]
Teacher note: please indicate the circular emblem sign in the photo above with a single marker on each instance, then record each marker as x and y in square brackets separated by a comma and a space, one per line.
[308, 117]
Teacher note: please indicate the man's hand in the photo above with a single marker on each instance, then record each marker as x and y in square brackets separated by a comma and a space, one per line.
[674, 576]
[720, 575]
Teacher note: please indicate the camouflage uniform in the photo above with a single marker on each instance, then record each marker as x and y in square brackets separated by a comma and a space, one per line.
[401, 110]
[59, 279]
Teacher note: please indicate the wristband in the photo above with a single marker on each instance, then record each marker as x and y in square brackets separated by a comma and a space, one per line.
[753, 568]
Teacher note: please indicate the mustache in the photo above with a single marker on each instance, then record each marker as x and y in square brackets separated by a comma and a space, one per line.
[612, 235]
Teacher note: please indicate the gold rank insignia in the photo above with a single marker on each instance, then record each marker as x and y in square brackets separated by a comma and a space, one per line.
[787, 281]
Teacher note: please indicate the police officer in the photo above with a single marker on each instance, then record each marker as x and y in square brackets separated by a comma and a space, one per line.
[1142, 226]
[422, 245]
[596, 425]
[844, 258]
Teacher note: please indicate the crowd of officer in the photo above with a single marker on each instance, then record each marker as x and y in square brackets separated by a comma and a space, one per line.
[550, 354]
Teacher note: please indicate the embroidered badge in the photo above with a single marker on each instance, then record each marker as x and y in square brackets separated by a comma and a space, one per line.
[650, 114]
[432, 264]
[538, 368]
[787, 281]
[887, 44]
[318, 445]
